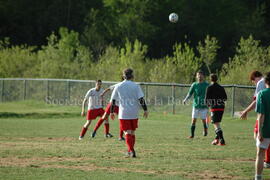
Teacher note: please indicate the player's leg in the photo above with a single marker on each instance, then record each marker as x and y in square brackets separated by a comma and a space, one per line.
[121, 135]
[203, 114]
[98, 113]
[195, 115]
[267, 158]
[129, 127]
[84, 129]
[216, 119]
[261, 147]
[107, 128]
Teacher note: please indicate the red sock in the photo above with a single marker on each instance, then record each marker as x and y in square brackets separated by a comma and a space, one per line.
[107, 128]
[129, 142]
[83, 131]
[121, 133]
[267, 155]
[133, 141]
[100, 121]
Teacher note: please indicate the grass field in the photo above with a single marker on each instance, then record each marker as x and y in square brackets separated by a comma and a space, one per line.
[39, 141]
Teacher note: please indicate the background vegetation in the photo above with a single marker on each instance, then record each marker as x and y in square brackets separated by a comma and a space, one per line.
[97, 39]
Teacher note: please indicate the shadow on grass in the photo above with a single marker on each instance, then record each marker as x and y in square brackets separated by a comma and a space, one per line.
[36, 115]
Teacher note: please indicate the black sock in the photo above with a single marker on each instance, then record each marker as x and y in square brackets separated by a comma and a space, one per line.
[219, 133]
[192, 130]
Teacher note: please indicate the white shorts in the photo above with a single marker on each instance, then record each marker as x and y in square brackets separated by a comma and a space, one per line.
[197, 112]
[263, 144]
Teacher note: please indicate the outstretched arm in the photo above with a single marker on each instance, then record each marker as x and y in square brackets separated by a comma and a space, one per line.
[104, 92]
[143, 104]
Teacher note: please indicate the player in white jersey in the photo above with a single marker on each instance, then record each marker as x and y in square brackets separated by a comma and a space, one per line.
[95, 104]
[130, 96]
[257, 79]
[105, 117]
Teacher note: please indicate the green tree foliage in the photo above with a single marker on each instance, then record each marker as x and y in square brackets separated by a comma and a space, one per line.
[64, 57]
[16, 61]
[208, 51]
[249, 56]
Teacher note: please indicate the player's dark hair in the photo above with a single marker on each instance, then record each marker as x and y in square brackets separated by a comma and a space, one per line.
[267, 78]
[98, 81]
[213, 77]
[200, 72]
[128, 74]
[254, 74]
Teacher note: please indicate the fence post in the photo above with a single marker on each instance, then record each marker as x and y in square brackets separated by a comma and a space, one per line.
[2, 91]
[146, 92]
[48, 88]
[233, 100]
[68, 91]
[173, 99]
[24, 89]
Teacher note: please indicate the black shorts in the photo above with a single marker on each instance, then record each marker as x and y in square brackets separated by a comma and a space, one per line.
[216, 116]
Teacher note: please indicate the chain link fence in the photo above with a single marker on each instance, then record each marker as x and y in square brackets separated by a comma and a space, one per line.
[160, 97]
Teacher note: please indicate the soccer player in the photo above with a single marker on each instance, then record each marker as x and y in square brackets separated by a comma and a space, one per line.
[198, 89]
[105, 117]
[130, 96]
[95, 109]
[215, 99]
[263, 117]
[257, 79]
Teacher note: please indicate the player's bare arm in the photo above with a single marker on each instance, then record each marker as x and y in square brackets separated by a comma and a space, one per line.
[83, 107]
[104, 92]
[260, 118]
[248, 109]
[143, 104]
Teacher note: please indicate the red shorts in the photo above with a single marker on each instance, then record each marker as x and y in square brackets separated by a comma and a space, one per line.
[94, 113]
[108, 109]
[128, 124]
[256, 127]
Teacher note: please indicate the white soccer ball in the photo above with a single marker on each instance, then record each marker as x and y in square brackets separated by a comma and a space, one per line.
[173, 17]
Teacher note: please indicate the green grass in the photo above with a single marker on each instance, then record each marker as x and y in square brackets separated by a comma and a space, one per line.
[39, 141]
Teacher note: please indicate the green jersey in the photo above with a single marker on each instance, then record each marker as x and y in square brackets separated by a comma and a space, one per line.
[199, 90]
[263, 107]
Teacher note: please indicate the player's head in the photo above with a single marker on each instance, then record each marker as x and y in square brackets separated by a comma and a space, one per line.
[213, 78]
[200, 76]
[255, 76]
[267, 79]
[128, 74]
[98, 84]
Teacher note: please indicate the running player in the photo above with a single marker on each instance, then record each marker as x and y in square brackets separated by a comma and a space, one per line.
[257, 79]
[95, 103]
[215, 99]
[105, 117]
[199, 107]
[130, 96]
[263, 137]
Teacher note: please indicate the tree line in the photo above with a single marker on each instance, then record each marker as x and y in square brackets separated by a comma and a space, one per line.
[97, 38]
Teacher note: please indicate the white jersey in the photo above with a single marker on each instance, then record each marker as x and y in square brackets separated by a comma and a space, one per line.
[94, 99]
[259, 86]
[127, 93]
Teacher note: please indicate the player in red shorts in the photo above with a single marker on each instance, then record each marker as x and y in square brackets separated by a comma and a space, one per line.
[130, 96]
[257, 79]
[95, 109]
[105, 117]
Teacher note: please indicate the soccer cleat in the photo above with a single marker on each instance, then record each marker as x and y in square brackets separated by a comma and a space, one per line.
[108, 135]
[93, 134]
[80, 137]
[205, 132]
[221, 143]
[121, 139]
[133, 154]
[215, 142]
[266, 165]
[191, 137]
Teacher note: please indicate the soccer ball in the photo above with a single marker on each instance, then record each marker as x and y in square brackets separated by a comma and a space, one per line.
[173, 17]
